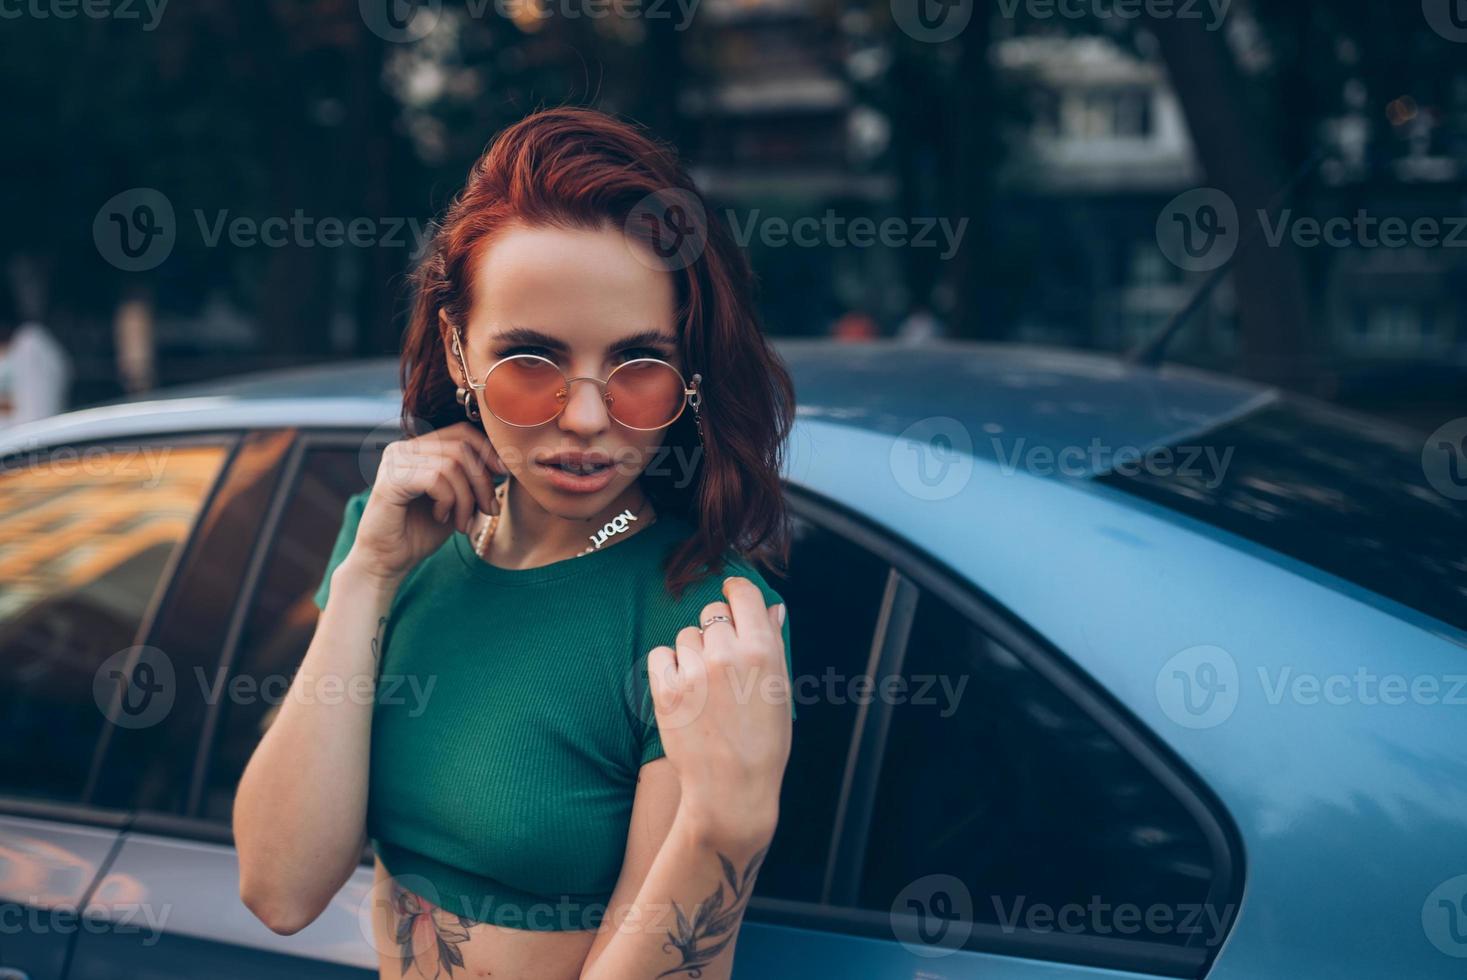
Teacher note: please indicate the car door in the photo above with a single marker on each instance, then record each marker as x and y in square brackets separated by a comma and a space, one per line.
[179, 851]
[90, 535]
[993, 815]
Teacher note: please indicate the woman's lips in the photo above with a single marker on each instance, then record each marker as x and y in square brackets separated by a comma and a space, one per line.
[576, 482]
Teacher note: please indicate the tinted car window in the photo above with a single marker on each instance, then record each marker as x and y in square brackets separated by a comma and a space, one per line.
[282, 617]
[85, 538]
[993, 776]
[833, 593]
[1336, 490]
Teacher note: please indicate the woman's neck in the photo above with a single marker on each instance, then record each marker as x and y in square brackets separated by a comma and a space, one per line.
[529, 536]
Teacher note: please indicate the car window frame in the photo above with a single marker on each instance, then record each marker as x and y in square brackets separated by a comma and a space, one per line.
[306, 441]
[913, 572]
[82, 810]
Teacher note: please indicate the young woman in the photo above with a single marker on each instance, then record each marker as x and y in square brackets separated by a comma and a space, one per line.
[577, 772]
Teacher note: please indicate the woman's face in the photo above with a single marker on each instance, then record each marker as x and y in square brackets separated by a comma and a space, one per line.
[586, 301]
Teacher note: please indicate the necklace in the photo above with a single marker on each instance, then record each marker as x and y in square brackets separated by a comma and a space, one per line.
[610, 529]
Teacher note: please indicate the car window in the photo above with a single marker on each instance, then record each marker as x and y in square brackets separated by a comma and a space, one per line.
[1002, 803]
[149, 761]
[282, 616]
[86, 535]
[1342, 492]
[833, 592]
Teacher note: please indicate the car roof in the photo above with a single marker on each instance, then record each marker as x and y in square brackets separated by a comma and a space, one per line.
[996, 393]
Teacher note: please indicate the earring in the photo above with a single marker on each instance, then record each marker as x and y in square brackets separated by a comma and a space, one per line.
[465, 397]
[697, 402]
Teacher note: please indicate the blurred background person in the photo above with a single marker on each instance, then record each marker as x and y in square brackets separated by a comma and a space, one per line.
[35, 371]
[920, 326]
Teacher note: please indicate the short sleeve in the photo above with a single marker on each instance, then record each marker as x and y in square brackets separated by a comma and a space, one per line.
[713, 592]
[351, 515]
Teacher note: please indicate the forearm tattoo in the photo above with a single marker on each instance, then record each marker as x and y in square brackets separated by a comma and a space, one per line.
[715, 920]
[377, 644]
[427, 936]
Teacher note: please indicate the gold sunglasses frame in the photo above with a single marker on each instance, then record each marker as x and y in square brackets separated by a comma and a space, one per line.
[692, 397]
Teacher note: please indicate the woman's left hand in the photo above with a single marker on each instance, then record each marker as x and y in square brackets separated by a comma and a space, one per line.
[722, 702]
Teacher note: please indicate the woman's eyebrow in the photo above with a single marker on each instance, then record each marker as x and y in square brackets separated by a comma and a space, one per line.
[538, 338]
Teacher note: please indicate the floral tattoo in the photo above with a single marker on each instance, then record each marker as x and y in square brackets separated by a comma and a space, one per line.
[700, 939]
[427, 935]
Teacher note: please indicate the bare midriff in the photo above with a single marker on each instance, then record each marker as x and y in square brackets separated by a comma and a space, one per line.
[416, 940]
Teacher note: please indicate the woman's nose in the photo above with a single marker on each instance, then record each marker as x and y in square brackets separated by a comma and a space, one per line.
[585, 408]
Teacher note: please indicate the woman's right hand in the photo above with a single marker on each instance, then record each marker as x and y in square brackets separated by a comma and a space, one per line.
[425, 488]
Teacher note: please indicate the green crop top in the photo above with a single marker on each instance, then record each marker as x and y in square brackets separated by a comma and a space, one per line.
[511, 718]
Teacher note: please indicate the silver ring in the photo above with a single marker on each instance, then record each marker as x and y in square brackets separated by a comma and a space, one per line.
[720, 618]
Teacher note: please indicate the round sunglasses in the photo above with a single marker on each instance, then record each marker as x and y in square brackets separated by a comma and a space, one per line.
[526, 390]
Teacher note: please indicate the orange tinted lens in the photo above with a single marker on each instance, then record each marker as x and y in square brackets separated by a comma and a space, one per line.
[524, 390]
[645, 394]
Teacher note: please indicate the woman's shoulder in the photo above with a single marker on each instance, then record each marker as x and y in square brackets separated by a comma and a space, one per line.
[708, 587]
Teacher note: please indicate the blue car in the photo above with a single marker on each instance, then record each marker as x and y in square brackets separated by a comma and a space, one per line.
[1102, 670]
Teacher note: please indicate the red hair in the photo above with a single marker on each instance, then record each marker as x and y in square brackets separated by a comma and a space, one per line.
[582, 169]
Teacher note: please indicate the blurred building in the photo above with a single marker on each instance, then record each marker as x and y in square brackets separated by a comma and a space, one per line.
[1103, 147]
